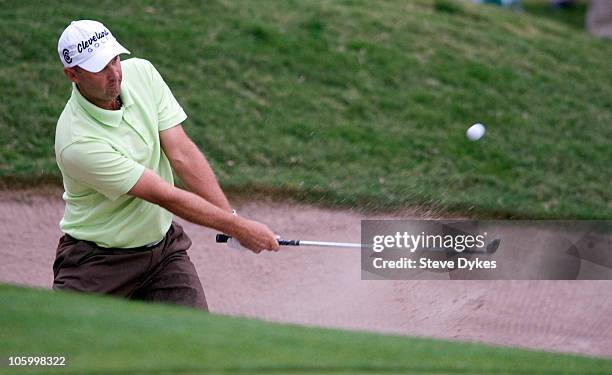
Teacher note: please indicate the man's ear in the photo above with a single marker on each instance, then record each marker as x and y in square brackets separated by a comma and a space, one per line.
[71, 74]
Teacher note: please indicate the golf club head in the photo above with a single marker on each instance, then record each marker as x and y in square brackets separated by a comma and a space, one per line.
[493, 245]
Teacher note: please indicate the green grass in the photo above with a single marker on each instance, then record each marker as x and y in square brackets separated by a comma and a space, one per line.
[101, 335]
[349, 103]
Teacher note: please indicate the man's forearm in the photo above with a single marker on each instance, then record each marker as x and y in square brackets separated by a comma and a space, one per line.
[199, 178]
[198, 210]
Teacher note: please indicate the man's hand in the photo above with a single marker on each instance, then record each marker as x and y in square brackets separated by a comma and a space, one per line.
[256, 236]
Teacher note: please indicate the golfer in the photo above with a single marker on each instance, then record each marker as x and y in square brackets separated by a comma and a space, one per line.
[117, 143]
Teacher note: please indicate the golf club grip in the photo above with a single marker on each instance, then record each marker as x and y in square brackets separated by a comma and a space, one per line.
[223, 238]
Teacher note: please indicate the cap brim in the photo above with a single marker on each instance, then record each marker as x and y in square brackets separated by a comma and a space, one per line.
[97, 62]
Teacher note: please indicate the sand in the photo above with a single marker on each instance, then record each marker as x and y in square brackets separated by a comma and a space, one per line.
[323, 287]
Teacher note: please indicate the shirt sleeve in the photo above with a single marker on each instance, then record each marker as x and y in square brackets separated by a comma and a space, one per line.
[169, 111]
[99, 166]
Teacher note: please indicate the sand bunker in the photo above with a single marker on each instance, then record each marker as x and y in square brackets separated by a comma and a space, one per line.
[323, 287]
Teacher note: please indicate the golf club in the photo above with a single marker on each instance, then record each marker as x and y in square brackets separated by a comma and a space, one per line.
[224, 238]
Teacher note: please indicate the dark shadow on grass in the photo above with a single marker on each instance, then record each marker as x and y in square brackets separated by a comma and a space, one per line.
[48, 185]
[15, 182]
[573, 16]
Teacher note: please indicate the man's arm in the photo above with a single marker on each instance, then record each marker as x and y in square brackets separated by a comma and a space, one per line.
[191, 207]
[192, 167]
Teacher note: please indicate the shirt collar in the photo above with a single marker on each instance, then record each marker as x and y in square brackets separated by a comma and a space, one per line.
[104, 116]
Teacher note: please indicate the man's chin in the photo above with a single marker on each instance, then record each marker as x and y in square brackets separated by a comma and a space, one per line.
[114, 92]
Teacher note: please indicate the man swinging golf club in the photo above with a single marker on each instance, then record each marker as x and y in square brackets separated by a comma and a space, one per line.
[117, 142]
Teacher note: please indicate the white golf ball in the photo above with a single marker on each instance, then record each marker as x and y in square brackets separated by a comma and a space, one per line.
[475, 132]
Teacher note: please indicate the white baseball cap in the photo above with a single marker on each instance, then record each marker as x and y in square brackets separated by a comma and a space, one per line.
[88, 44]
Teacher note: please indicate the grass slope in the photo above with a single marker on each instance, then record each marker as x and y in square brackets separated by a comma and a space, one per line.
[105, 336]
[348, 102]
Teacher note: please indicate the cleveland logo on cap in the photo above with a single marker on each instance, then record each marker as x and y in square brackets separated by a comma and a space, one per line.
[66, 55]
[84, 44]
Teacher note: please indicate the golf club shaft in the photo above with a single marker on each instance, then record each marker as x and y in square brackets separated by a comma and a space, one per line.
[224, 238]
[490, 249]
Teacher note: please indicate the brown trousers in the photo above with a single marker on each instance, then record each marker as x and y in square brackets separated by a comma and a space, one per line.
[161, 273]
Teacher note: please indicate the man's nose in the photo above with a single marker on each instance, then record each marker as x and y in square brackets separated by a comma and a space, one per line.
[113, 72]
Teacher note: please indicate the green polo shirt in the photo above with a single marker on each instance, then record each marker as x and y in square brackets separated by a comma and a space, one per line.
[103, 153]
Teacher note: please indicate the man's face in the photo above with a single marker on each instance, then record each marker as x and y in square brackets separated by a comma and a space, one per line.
[103, 86]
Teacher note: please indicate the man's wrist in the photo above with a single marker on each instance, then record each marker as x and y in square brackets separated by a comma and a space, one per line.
[237, 225]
